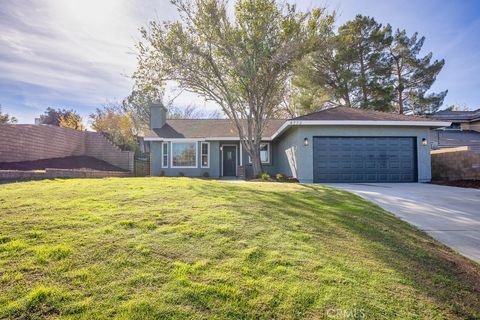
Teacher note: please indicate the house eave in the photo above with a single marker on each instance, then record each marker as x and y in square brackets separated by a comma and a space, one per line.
[429, 124]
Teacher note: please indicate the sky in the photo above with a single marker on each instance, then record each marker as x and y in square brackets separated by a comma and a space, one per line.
[79, 54]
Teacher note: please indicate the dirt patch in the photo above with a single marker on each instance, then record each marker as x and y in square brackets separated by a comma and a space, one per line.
[80, 162]
[474, 184]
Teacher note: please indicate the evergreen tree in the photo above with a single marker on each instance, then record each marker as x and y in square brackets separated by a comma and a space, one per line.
[413, 76]
[364, 41]
[351, 69]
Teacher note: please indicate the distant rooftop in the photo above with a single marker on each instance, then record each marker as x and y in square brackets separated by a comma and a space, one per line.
[466, 116]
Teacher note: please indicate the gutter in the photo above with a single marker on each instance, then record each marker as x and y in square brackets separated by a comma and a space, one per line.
[288, 123]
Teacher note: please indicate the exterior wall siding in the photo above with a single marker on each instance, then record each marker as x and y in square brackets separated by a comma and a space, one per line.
[303, 156]
[288, 155]
[269, 167]
[156, 161]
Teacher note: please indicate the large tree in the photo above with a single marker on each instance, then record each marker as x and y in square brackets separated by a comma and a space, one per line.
[352, 69]
[62, 118]
[241, 60]
[117, 125]
[363, 41]
[363, 65]
[413, 75]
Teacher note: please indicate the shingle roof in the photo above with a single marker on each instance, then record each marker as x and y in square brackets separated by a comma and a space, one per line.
[224, 128]
[457, 115]
[344, 113]
[203, 128]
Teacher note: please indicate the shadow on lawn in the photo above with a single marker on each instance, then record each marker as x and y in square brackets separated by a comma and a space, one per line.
[430, 267]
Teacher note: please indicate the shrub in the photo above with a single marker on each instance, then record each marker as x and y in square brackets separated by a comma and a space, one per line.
[264, 176]
[281, 176]
[181, 174]
[162, 173]
[206, 174]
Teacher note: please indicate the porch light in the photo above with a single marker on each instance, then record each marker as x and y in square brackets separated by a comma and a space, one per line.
[424, 141]
[305, 142]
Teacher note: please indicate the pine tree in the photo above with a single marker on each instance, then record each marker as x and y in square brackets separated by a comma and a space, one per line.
[413, 76]
[352, 69]
[364, 42]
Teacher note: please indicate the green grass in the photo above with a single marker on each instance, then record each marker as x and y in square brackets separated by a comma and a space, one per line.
[153, 248]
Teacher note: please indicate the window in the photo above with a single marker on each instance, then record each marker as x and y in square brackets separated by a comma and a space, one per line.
[164, 154]
[264, 153]
[205, 155]
[184, 154]
[454, 126]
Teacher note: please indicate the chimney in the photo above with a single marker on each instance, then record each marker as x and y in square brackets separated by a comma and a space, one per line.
[158, 115]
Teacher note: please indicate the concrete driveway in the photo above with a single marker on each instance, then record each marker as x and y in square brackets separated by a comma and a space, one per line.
[448, 214]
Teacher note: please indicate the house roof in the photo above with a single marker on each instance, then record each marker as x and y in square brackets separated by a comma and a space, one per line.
[344, 113]
[205, 128]
[463, 116]
[224, 129]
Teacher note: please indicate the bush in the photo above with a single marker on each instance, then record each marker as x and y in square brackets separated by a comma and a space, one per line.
[281, 176]
[264, 176]
[162, 173]
[181, 174]
[206, 174]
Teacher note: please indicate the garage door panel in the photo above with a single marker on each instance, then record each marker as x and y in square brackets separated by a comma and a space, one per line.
[364, 159]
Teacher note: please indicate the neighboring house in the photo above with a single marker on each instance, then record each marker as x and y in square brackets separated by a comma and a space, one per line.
[463, 131]
[460, 120]
[332, 145]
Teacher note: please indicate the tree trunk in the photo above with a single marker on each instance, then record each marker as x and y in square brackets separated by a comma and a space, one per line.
[400, 101]
[257, 163]
[253, 150]
[400, 87]
[363, 83]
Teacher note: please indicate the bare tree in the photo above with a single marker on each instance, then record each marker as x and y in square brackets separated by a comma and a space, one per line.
[241, 60]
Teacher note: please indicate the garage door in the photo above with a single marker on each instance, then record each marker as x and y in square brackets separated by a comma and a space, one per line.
[364, 159]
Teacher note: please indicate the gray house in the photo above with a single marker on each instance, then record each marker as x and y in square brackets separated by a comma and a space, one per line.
[332, 145]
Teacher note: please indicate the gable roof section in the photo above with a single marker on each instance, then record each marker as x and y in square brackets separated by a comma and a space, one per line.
[205, 129]
[224, 129]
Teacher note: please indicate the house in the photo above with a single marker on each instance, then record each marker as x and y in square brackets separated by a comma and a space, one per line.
[460, 120]
[332, 145]
[463, 131]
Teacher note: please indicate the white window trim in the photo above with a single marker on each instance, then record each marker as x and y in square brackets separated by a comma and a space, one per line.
[208, 155]
[196, 154]
[241, 154]
[163, 164]
[268, 151]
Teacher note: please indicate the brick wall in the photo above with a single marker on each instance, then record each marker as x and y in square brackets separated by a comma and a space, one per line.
[455, 164]
[24, 142]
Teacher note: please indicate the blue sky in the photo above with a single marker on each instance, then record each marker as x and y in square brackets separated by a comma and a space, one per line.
[78, 54]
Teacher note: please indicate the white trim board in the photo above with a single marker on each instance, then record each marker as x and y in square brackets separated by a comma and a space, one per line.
[208, 155]
[400, 123]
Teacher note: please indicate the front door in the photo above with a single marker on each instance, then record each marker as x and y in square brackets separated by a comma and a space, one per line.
[229, 155]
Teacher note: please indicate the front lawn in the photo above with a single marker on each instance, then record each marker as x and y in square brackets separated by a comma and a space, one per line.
[150, 248]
